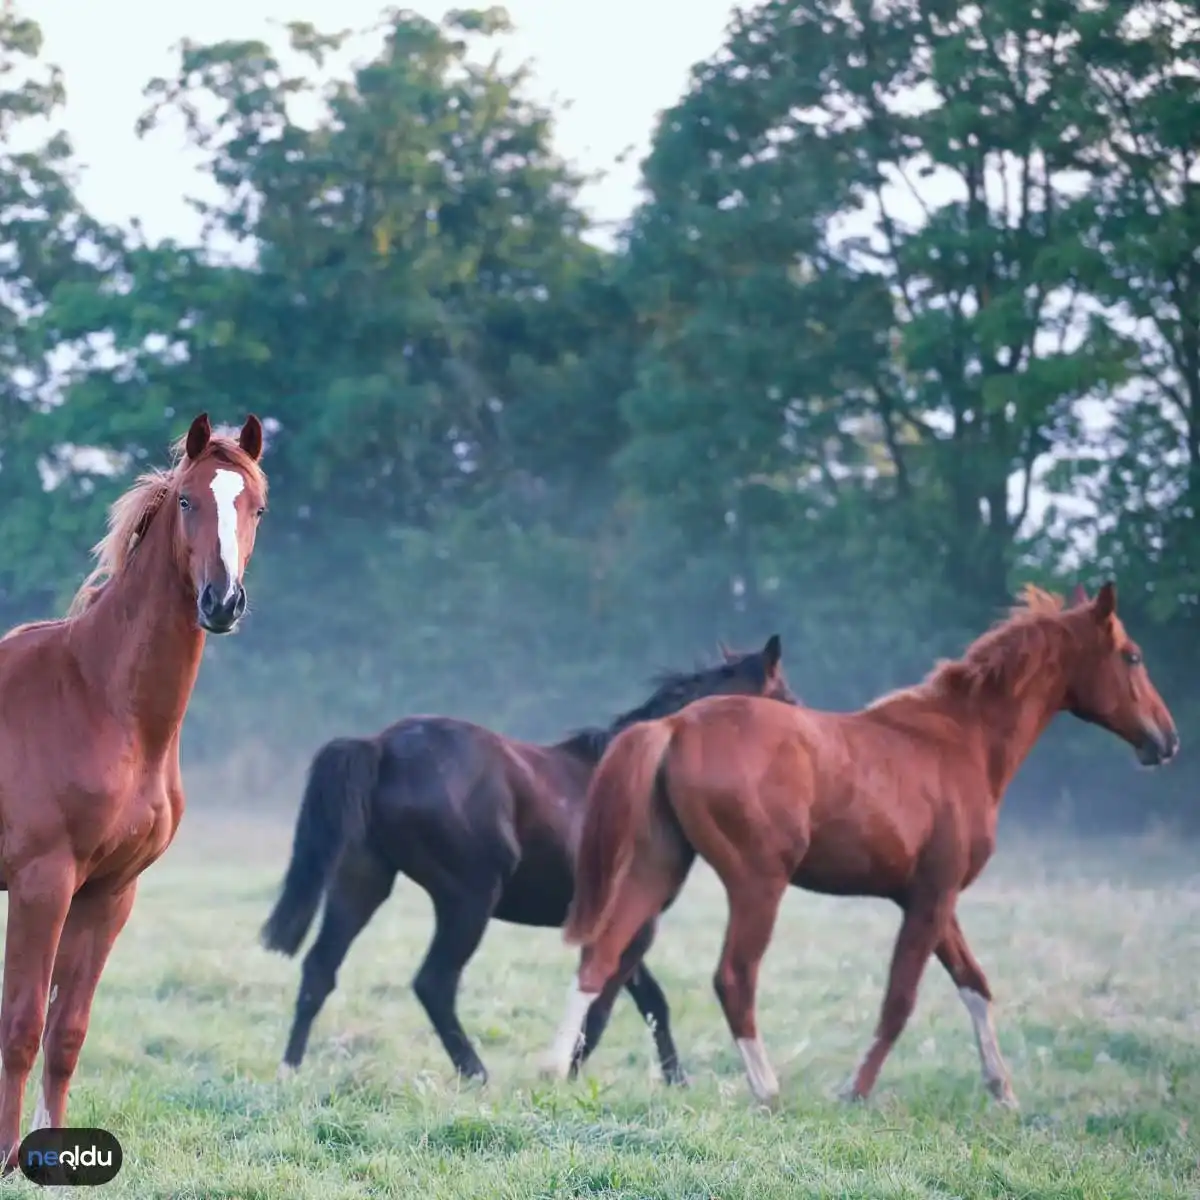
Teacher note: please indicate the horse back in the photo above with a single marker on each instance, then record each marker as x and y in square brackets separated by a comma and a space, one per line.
[475, 783]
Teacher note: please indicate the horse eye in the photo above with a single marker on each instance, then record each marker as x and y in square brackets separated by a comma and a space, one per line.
[184, 503]
[259, 511]
[1132, 657]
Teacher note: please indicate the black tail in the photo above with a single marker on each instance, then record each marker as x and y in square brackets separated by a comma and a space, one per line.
[341, 781]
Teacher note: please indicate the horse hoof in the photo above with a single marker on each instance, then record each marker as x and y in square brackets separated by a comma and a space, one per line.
[677, 1077]
[1004, 1095]
[848, 1093]
[285, 1072]
[477, 1074]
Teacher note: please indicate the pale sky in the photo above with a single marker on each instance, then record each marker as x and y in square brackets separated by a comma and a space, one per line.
[618, 63]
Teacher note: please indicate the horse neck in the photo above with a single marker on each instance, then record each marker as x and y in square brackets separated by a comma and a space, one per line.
[1003, 716]
[589, 744]
[664, 704]
[144, 641]
[1013, 709]
[1011, 724]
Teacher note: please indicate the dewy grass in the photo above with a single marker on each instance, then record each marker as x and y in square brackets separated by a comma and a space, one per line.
[1094, 954]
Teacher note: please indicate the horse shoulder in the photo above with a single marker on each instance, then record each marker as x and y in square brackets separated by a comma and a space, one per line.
[544, 788]
[20, 640]
[53, 723]
[32, 658]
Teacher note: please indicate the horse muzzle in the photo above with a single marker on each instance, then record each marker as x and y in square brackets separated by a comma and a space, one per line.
[1158, 746]
[217, 615]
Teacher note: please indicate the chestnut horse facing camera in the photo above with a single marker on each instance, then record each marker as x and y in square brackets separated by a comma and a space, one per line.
[90, 713]
[898, 800]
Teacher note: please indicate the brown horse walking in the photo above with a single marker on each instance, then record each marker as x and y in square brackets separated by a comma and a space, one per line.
[899, 800]
[90, 713]
[486, 825]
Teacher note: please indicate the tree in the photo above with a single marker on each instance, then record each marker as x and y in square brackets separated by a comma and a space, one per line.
[930, 360]
[1143, 476]
[415, 303]
[48, 247]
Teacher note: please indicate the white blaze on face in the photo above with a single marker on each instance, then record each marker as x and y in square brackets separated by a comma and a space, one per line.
[227, 486]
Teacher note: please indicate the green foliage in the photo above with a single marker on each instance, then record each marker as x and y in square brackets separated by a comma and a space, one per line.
[931, 356]
[893, 264]
[421, 275]
[1145, 105]
[48, 247]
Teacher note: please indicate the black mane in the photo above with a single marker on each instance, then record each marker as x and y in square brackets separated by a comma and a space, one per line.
[673, 690]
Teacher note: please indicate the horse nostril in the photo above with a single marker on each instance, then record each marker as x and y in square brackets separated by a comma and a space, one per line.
[208, 600]
[239, 605]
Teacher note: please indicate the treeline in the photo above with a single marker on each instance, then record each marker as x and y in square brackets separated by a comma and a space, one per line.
[909, 313]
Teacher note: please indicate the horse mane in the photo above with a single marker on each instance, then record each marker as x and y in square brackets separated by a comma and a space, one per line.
[673, 690]
[130, 515]
[1010, 654]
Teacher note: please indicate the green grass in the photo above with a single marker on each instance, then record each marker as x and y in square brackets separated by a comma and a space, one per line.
[1094, 956]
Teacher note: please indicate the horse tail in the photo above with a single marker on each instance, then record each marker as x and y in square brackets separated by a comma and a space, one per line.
[618, 809]
[341, 782]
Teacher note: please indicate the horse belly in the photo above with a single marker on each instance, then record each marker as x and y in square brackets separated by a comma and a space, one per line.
[539, 891]
[841, 879]
[840, 861]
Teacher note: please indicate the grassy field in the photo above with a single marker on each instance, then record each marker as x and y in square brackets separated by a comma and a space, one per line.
[1094, 956]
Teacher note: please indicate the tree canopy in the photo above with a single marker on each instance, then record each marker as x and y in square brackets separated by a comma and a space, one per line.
[908, 313]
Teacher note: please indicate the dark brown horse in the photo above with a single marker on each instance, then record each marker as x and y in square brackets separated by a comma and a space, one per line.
[899, 800]
[90, 713]
[486, 825]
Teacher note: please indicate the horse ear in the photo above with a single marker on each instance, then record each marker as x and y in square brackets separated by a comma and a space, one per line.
[1079, 596]
[1105, 603]
[773, 652]
[198, 435]
[251, 437]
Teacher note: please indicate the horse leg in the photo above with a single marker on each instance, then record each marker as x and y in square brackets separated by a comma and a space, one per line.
[753, 909]
[361, 883]
[641, 901]
[955, 955]
[461, 918]
[93, 925]
[651, 1003]
[39, 897]
[601, 1010]
[921, 930]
